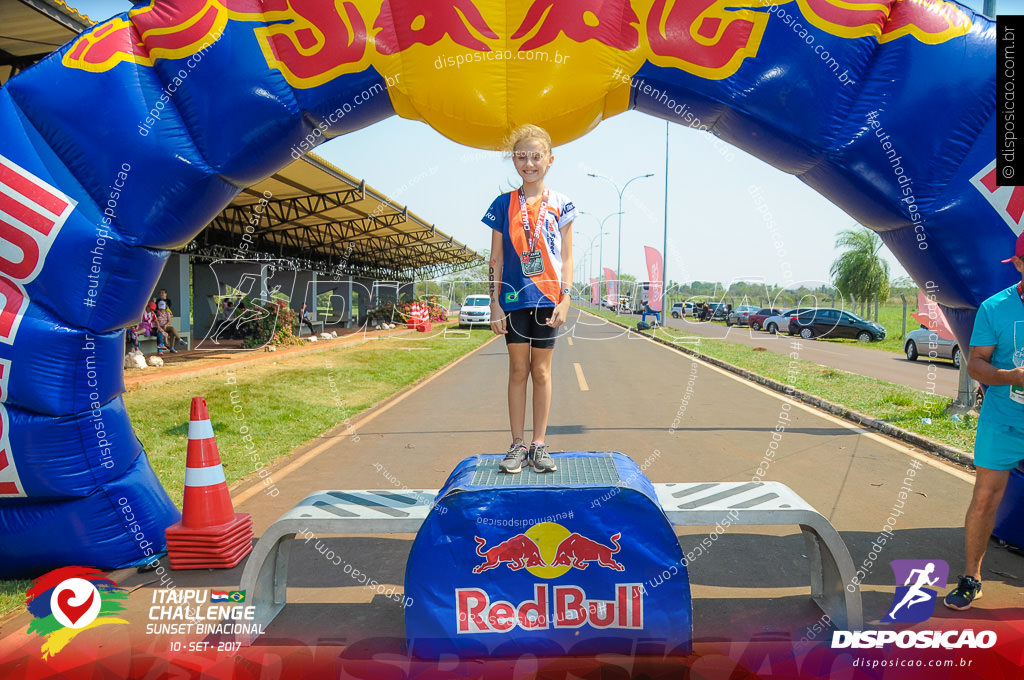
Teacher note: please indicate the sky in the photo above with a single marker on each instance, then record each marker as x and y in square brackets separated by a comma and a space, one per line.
[715, 232]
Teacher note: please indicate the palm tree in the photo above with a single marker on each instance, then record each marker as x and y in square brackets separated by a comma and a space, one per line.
[859, 271]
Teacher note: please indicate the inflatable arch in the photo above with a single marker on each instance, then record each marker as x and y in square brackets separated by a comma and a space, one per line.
[128, 140]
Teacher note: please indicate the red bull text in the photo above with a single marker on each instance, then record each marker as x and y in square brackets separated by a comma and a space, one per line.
[572, 609]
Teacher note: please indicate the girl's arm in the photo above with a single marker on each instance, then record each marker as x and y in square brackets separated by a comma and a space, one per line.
[494, 283]
[561, 313]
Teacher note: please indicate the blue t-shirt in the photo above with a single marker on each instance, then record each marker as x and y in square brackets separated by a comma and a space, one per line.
[519, 291]
[1000, 322]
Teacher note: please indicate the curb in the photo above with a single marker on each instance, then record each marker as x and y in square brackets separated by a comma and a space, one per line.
[920, 441]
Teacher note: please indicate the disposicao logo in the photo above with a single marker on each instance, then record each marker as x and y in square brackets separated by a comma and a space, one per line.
[914, 600]
[69, 600]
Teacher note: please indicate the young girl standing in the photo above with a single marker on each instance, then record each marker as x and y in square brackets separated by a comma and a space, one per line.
[530, 278]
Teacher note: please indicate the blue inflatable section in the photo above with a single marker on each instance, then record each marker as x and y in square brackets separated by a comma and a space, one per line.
[547, 565]
[129, 140]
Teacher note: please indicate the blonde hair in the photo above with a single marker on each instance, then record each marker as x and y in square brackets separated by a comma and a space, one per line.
[524, 132]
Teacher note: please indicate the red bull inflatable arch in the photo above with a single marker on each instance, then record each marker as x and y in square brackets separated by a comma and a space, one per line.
[127, 141]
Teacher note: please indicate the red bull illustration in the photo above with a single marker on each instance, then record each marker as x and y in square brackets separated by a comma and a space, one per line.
[518, 551]
[611, 23]
[579, 551]
[403, 23]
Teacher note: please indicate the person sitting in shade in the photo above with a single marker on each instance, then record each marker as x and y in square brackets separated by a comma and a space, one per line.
[305, 318]
[164, 315]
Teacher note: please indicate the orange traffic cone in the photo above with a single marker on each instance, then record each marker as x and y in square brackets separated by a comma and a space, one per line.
[423, 325]
[413, 316]
[210, 534]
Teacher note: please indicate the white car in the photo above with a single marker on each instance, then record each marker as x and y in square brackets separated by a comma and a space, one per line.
[476, 309]
[780, 322]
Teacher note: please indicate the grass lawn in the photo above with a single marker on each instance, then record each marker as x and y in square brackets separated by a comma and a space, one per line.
[897, 404]
[12, 594]
[283, 404]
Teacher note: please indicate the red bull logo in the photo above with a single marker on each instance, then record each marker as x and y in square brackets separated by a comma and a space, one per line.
[548, 550]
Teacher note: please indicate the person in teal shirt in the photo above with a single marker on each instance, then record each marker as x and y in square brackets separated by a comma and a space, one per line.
[997, 360]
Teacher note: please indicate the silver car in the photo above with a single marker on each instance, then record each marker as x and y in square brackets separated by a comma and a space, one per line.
[780, 322]
[922, 342]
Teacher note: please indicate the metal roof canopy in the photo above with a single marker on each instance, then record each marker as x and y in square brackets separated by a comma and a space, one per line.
[323, 219]
[32, 29]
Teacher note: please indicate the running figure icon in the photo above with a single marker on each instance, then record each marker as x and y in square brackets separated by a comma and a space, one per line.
[917, 594]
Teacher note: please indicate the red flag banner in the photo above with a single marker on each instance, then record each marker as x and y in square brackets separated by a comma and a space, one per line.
[613, 288]
[595, 291]
[654, 269]
[930, 314]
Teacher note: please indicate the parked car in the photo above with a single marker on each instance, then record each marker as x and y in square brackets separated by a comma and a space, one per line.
[757, 319]
[678, 310]
[740, 316]
[834, 323]
[922, 342]
[476, 309]
[780, 322]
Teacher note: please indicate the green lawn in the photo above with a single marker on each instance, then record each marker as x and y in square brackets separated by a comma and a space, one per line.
[895, 404]
[283, 404]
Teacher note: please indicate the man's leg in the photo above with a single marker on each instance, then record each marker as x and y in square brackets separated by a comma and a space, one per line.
[989, 486]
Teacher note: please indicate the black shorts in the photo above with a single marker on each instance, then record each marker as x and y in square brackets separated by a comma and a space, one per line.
[530, 325]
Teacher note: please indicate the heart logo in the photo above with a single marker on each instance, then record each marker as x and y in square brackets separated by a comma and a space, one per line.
[73, 612]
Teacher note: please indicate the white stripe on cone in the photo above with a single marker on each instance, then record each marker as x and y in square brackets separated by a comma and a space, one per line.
[200, 429]
[204, 476]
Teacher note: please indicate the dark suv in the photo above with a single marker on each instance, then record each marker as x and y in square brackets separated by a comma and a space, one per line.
[835, 323]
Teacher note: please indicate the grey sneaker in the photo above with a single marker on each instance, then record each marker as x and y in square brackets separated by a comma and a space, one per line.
[542, 462]
[514, 459]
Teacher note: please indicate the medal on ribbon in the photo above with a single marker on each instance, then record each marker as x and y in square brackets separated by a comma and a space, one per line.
[532, 260]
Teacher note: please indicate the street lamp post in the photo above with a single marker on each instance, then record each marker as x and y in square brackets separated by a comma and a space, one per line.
[601, 235]
[618, 264]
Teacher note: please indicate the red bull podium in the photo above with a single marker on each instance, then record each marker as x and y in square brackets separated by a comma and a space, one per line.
[550, 564]
[547, 564]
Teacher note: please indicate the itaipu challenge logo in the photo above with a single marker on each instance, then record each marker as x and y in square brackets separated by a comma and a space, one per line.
[70, 600]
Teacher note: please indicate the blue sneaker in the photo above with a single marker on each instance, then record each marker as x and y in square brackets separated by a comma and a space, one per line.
[967, 590]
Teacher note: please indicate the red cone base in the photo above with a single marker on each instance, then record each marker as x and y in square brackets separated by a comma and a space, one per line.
[207, 562]
[217, 547]
[217, 532]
